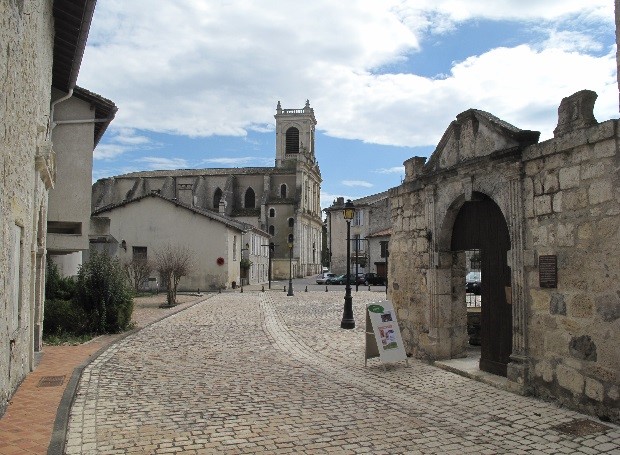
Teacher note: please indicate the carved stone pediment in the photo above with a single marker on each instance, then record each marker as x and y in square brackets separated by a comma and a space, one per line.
[475, 134]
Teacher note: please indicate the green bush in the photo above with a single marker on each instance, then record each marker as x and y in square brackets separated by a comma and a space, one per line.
[63, 317]
[104, 294]
[57, 287]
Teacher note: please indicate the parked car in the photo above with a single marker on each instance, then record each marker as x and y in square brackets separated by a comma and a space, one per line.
[472, 283]
[342, 279]
[335, 279]
[374, 279]
[323, 277]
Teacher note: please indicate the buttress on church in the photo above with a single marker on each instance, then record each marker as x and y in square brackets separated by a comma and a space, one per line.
[223, 215]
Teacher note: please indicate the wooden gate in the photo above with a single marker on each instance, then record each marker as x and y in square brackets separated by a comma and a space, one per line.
[480, 224]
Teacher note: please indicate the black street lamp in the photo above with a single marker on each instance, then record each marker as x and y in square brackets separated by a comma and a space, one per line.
[290, 265]
[347, 315]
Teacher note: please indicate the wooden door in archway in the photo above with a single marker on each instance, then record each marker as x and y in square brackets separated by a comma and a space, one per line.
[480, 224]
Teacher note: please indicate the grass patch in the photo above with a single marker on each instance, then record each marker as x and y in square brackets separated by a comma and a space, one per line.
[66, 339]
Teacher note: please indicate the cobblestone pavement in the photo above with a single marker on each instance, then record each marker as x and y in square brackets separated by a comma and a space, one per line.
[268, 373]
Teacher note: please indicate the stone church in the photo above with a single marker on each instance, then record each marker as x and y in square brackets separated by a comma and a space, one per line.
[283, 200]
[544, 218]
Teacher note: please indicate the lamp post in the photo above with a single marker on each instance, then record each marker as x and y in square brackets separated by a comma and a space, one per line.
[347, 315]
[290, 265]
[247, 248]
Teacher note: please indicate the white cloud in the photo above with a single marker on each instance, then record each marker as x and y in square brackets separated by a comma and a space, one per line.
[218, 68]
[158, 162]
[244, 161]
[357, 183]
[391, 170]
[108, 151]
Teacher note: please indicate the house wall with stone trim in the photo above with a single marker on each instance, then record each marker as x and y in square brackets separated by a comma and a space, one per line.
[27, 166]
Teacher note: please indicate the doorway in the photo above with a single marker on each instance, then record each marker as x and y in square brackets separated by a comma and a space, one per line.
[480, 226]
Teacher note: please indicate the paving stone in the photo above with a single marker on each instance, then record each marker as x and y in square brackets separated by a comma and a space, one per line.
[270, 373]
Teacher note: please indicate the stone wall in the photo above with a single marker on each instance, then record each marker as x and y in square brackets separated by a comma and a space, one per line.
[26, 31]
[572, 211]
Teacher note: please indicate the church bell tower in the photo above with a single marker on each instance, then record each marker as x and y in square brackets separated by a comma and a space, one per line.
[294, 135]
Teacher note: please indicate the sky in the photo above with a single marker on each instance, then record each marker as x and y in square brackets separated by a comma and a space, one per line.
[197, 82]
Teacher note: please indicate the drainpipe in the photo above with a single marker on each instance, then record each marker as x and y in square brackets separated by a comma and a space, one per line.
[54, 103]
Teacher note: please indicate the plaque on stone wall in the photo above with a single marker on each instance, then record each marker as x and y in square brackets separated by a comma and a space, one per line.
[548, 271]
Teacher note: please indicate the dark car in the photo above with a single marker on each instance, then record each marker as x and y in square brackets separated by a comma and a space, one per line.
[374, 280]
[472, 283]
[342, 279]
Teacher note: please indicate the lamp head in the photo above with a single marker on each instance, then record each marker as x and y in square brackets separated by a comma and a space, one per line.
[349, 210]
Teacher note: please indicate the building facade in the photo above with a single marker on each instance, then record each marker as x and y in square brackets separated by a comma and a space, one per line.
[217, 243]
[370, 233]
[79, 123]
[283, 200]
[43, 42]
[545, 218]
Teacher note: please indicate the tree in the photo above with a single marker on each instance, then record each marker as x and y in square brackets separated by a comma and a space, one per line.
[137, 270]
[173, 263]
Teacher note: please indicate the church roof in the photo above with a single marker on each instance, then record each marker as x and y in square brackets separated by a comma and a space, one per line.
[206, 213]
[207, 171]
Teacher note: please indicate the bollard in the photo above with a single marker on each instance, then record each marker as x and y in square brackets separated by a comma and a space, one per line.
[198, 292]
[284, 288]
[219, 291]
[325, 288]
[306, 289]
[369, 287]
[242, 289]
[263, 290]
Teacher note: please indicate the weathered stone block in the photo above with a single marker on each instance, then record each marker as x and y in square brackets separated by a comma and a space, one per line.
[569, 177]
[608, 228]
[583, 348]
[584, 231]
[575, 199]
[540, 300]
[565, 235]
[581, 306]
[551, 183]
[594, 389]
[557, 202]
[600, 191]
[544, 369]
[605, 130]
[594, 169]
[542, 205]
[557, 305]
[570, 379]
[608, 307]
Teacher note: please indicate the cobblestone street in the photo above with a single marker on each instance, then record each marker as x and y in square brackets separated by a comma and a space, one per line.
[261, 372]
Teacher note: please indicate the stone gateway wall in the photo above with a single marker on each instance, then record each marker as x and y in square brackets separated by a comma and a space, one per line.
[572, 212]
[560, 200]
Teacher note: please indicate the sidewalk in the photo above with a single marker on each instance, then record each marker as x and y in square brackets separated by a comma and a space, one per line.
[29, 422]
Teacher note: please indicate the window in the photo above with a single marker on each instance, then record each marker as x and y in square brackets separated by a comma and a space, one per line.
[217, 197]
[292, 140]
[272, 230]
[359, 218]
[139, 253]
[64, 227]
[272, 213]
[384, 249]
[291, 222]
[250, 199]
[283, 191]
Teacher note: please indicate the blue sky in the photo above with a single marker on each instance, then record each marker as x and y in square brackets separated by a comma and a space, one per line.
[197, 82]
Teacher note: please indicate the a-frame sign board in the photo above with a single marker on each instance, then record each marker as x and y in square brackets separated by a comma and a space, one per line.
[383, 337]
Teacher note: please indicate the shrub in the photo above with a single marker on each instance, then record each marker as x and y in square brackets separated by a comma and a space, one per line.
[104, 294]
[57, 287]
[63, 317]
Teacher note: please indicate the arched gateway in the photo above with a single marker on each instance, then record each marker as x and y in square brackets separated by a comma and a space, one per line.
[480, 226]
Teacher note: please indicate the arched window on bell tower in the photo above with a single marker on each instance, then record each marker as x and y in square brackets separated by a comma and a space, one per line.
[283, 191]
[250, 199]
[292, 140]
[217, 197]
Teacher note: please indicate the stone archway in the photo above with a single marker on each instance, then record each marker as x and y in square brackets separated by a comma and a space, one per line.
[479, 224]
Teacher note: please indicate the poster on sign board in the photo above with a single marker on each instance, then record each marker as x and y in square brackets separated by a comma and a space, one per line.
[383, 337]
